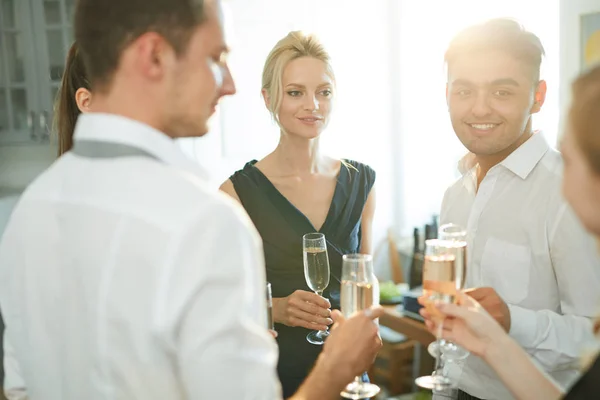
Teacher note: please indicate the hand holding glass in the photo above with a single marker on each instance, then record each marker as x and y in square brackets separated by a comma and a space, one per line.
[439, 286]
[359, 291]
[316, 273]
[458, 236]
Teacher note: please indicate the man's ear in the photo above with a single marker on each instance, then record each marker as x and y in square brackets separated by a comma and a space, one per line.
[83, 98]
[539, 96]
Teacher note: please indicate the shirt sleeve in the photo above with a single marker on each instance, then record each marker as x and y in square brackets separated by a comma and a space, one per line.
[14, 384]
[214, 310]
[556, 340]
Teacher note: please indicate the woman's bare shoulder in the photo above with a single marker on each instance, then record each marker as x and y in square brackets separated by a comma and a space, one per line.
[228, 188]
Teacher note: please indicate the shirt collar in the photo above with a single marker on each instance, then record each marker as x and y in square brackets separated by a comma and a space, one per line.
[524, 159]
[118, 129]
[520, 162]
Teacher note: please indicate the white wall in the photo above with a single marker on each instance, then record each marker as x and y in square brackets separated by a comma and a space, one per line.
[19, 165]
[390, 107]
[390, 110]
[427, 150]
[361, 126]
[570, 42]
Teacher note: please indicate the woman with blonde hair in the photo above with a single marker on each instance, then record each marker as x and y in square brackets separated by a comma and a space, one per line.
[470, 326]
[296, 190]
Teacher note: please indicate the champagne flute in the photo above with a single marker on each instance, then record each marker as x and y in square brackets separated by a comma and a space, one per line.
[439, 286]
[270, 324]
[316, 273]
[458, 236]
[360, 290]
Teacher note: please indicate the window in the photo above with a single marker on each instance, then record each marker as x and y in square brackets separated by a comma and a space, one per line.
[390, 109]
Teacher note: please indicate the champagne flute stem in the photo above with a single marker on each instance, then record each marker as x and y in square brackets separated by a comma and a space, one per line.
[321, 333]
[438, 357]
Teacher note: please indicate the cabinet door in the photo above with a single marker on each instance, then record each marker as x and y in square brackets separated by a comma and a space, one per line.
[54, 35]
[18, 89]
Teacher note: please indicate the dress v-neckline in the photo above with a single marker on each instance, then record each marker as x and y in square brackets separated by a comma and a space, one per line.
[336, 193]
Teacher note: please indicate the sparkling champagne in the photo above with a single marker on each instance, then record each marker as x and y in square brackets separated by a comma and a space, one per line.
[459, 249]
[316, 268]
[356, 296]
[439, 281]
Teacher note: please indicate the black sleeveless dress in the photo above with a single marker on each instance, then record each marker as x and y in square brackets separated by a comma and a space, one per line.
[588, 386]
[281, 226]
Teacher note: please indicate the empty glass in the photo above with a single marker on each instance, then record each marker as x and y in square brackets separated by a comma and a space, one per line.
[270, 322]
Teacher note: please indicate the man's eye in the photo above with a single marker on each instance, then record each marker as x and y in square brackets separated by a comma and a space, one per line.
[501, 93]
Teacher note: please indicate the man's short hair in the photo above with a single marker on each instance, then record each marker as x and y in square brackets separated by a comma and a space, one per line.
[501, 34]
[104, 28]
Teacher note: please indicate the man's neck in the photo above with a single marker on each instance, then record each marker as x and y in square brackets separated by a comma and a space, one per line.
[487, 162]
[126, 101]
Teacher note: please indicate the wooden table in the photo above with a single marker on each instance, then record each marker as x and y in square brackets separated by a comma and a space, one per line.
[415, 330]
[409, 327]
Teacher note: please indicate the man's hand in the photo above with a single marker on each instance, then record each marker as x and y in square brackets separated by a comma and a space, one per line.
[354, 342]
[347, 352]
[489, 299]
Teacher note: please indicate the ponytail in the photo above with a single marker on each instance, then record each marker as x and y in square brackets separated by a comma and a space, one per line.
[66, 110]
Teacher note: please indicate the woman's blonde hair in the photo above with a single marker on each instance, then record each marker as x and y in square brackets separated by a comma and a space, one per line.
[584, 115]
[295, 45]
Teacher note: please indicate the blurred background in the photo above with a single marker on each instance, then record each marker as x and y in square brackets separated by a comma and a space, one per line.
[389, 112]
[390, 109]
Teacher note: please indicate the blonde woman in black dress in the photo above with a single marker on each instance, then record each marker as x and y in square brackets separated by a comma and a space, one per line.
[297, 189]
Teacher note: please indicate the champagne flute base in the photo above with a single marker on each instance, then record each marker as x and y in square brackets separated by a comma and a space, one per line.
[434, 382]
[453, 352]
[449, 351]
[317, 337]
[360, 390]
[433, 349]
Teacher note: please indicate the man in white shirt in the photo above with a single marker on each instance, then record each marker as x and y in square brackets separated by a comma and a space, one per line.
[534, 267]
[122, 274]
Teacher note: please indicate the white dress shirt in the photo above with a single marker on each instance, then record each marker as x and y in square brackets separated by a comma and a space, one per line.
[525, 242]
[127, 278]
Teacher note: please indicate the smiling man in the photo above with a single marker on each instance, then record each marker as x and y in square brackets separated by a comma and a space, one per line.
[531, 262]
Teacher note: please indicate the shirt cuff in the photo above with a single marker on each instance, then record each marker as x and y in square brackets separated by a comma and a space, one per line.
[523, 325]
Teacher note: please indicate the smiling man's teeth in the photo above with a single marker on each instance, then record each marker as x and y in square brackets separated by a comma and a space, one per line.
[483, 126]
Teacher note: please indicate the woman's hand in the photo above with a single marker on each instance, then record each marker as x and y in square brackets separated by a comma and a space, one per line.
[302, 308]
[468, 325]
